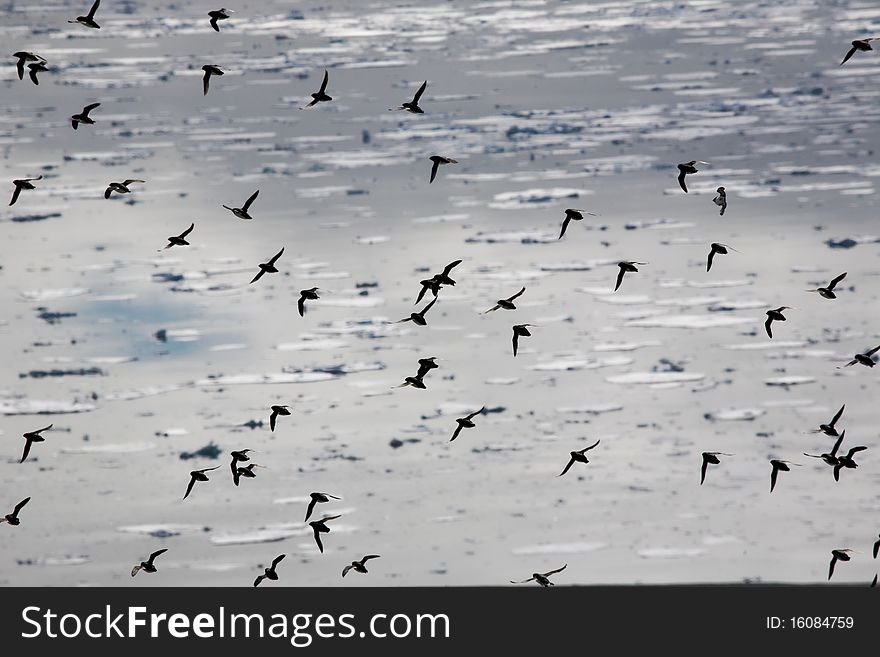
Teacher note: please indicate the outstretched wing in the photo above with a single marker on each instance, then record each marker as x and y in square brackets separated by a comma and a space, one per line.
[318, 541]
[518, 294]
[94, 9]
[476, 413]
[681, 181]
[455, 435]
[192, 482]
[855, 450]
[851, 52]
[128, 181]
[258, 276]
[703, 471]
[872, 351]
[301, 305]
[837, 444]
[831, 567]
[27, 450]
[206, 82]
[276, 256]
[773, 476]
[134, 571]
[553, 572]
[711, 258]
[310, 509]
[156, 554]
[369, 556]
[272, 419]
[452, 265]
[434, 171]
[216, 29]
[33, 75]
[89, 108]
[619, 278]
[415, 100]
[564, 226]
[515, 342]
[767, 327]
[837, 280]
[15, 195]
[530, 579]
[20, 506]
[260, 578]
[187, 231]
[345, 570]
[278, 560]
[567, 467]
[837, 472]
[324, 82]
[837, 416]
[250, 200]
[428, 307]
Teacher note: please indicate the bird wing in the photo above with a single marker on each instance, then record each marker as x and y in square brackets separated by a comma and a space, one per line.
[415, 100]
[876, 548]
[831, 567]
[515, 342]
[15, 195]
[276, 256]
[492, 309]
[681, 181]
[370, 556]
[619, 278]
[872, 351]
[434, 168]
[422, 292]
[854, 450]
[703, 471]
[134, 571]
[553, 572]
[837, 280]
[452, 265]
[206, 81]
[89, 108]
[455, 435]
[586, 449]
[837, 472]
[773, 476]
[837, 416]
[476, 413]
[192, 482]
[156, 554]
[216, 29]
[27, 450]
[346, 569]
[324, 82]
[518, 294]
[128, 181]
[767, 326]
[203, 470]
[278, 560]
[33, 75]
[258, 276]
[272, 420]
[848, 55]
[250, 200]
[564, 226]
[567, 468]
[20, 67]
[74, 123]
[20, 506]
[301, 305]
[318, 541]
[837, 444]
[428, 307]
[94, 9]
[310, 509]
[259, 579]
[187, 231]
[530, 579]
[711, 258]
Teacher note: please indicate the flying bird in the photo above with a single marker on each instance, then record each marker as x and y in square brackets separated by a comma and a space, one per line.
[268, 267]
[466, 422]
[414, 381]
[36, 67]
[775, 315]
[419, 317]
[23, 57]
[120, 188]
[778, 465]
[828, 429]
[541, 578]
[179, 240]
[685, 169]
[443, 277]
[838, 555]
[432, 284]
[89, 19]
[578, 456]
[269, 573]
[276, 411]
[438, 160]
[847, 460]
[507, 303]
[876, 545]
[426, 365]
[13, 520]
[320, 527]
[710, 457]
[209, 69]
[863, 45]
[719, 249]
[219, 15]
[239, 455]
[828, 292]
[247, 472]
[197, 475]
[831, 457]
[320, 96]
[626, 266]
[359, 566]
[32, 437]
[720, 200]
[306, 295]
[148, 566]
[318, 498]
[865, 359]
[575, 215]
[242, 212]
[83, 117]
[413, 105]
[24, 183]
[520, 331]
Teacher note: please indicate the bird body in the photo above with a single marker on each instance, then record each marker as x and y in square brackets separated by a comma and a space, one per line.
[32, 437]
[219, 15]
[717, 249]
[572, 215]
[318, 498]
[120, 187]
[866, 359]
[242, 212]
[359, 566]
[419, 317]
[506, 304]
[829, 429]
[774, 315]
[148, 566]
[520, 331]
[541, 578]
[412, 106]
[778, 466]
[180, 240]
[197, 475]
[269, 573]
[36, 67]
[209, 69]
[685, 169]
[13, 519]
[626, 266]
[828, 292]
[24, 57]
[320, 527]
[710, 458]
[83, 116]
[721, 200]
[320, 96]
[466, 422]
[306, 295]
[268, 267]
[276, 411]
[859, 45]
[22, 183]
[838, 555]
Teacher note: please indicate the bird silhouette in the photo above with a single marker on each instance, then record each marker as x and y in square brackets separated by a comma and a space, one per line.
[720, 200]
[32, 437]
[865, 359]
[432, 284]
[859, 45]
[197, 475]
[209, 69]
[779, 466]
[443, 277]
[306, 295]
[268, 267]
[320, 96]
[520, 331]
[120, 187]
[685, 169]
[413, 105]
[828, 292]
[23, 183]
[437, 161]
[242, 212]
[710, 457]
[541, 578]
[219, 15]
[416, 381]
[419, 317]
[359, 566]
[179, 240]
[247, 472]
[775, 315]
[13, 520]
[719, 249]
[626, 266]
[572, 215]
[318, 498]
[34, 69]
[89, 19]
[829, 429]
[148, 566]
[466, 422]
[320, 527]
[426, 365]
[507, 303]
[876, 545]
[578, 456]
[838, 555]
[269, 573]
[83, 116]
[276, 411]
[23, 57]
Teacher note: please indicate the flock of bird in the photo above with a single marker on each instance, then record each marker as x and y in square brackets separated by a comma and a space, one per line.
[37, 64]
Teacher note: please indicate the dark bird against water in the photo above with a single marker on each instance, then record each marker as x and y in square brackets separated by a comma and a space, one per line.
[89, 19]
[23, 57]
[874, 582]
[541, 578]
[828, 292]
[575, 215]
[179, 240]
[219, 15]
[775, 315]
[359, 566]
[863, 45]
[247, 472]
[413, 105]
[242, 212]
[24, 183]
[466, 422]
[83, 117]
[32, 437]
[507, 303]
[720, 200]
[438, 160]
[865, 359]
[320, 527]
[779, 465]
[419, 317]
[426, 365]
[876, 545]
[719, 249]
[416, 381]
[578, 456]
[148, 566]
[443, 277]
[120, 188]
[685, 169]
[268, 267]
[710, 457]
[318, 498]
[320, 96]
[276, 411]
[829, 429]
[838, 555]
[12, 518]
[306, 295]
[520, 331]
[432, 284]
[36, 67]
[626, 266]
[209, 69]
[197, 475]
[269, 573]
[847, 460]
[239, 455]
